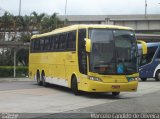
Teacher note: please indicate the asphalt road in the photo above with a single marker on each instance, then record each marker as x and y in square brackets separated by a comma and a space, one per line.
[27, 97]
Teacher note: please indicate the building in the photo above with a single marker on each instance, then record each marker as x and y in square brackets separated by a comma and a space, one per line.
[141, 23]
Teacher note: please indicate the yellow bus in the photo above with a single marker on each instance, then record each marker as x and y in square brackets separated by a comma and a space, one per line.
[91, 58]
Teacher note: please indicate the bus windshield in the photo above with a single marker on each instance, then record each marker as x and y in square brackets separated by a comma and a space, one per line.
[145, 59]
[113, 51]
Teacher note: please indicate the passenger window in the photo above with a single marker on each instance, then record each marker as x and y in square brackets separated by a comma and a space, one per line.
[52, 42]
[71, 40]
[41, 44]
[32, 45]
[62, 41]
[36, 45]
[150, 54]
[56, 39]
[158, 55]
[47, 44]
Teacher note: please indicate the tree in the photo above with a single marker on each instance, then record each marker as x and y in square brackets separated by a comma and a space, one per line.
[6, 58]
[7, 24]
[36, 20]
[50, 23]
[25, 24]
[21, 28]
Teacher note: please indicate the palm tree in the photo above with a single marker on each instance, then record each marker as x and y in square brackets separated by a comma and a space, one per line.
[50, 23]
[7, 24]
[25, 23]
[36, 20]
[56, 22]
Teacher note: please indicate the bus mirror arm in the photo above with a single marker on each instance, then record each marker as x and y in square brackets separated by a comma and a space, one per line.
[88, 45]
[144, 46]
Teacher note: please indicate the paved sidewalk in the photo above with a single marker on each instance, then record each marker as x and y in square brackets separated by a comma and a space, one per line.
[14, 79]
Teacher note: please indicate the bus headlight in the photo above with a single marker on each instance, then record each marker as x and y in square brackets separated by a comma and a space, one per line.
[94, 78]
[132, 78]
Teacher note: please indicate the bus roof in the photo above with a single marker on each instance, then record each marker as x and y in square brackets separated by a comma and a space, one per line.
[74, 27]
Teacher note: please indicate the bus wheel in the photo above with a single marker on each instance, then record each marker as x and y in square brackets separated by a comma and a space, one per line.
[143, 79]
[74, 86]
[39, 82]
[115, 93]
[43, 79]
[157, 76]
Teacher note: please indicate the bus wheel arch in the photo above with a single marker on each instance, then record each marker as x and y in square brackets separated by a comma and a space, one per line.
[157, 75]
[38, 77]
[74, 84]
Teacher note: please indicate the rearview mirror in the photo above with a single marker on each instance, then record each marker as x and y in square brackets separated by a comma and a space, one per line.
[88, 45]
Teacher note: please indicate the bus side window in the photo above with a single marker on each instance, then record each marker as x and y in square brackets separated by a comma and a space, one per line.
[82, 55]
[71, 41]
[150, 54]
[32, 45]
[47, 44]
[36, 45]
[62, 41]
[42, 44]
[158, 54]
[56, 39]
[52, 41]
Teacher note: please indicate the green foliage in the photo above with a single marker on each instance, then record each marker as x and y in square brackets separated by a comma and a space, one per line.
[6, 57]
[25, 37]
[8, 71]
[21, 28]
[7, 21]
[50, 23]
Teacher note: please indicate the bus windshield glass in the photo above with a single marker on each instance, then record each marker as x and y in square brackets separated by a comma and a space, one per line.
[113, 51]
[145, 59]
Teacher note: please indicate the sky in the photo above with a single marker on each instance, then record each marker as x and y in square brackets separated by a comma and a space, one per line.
[81, 7]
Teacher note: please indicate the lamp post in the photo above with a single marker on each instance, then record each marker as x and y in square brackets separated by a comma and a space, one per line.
[56, 20]
[19, 7]
[145, 8]
[14, 62]
[65, 12]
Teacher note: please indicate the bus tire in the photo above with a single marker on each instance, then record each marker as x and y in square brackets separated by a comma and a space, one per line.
[115, 93]
[157, 76]
[43, 79]
[143, 79]
[74, 85]
[39, 82]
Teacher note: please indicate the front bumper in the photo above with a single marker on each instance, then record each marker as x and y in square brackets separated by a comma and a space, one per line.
[95, 86]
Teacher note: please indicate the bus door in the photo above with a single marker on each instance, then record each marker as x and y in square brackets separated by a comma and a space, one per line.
[82, 55]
